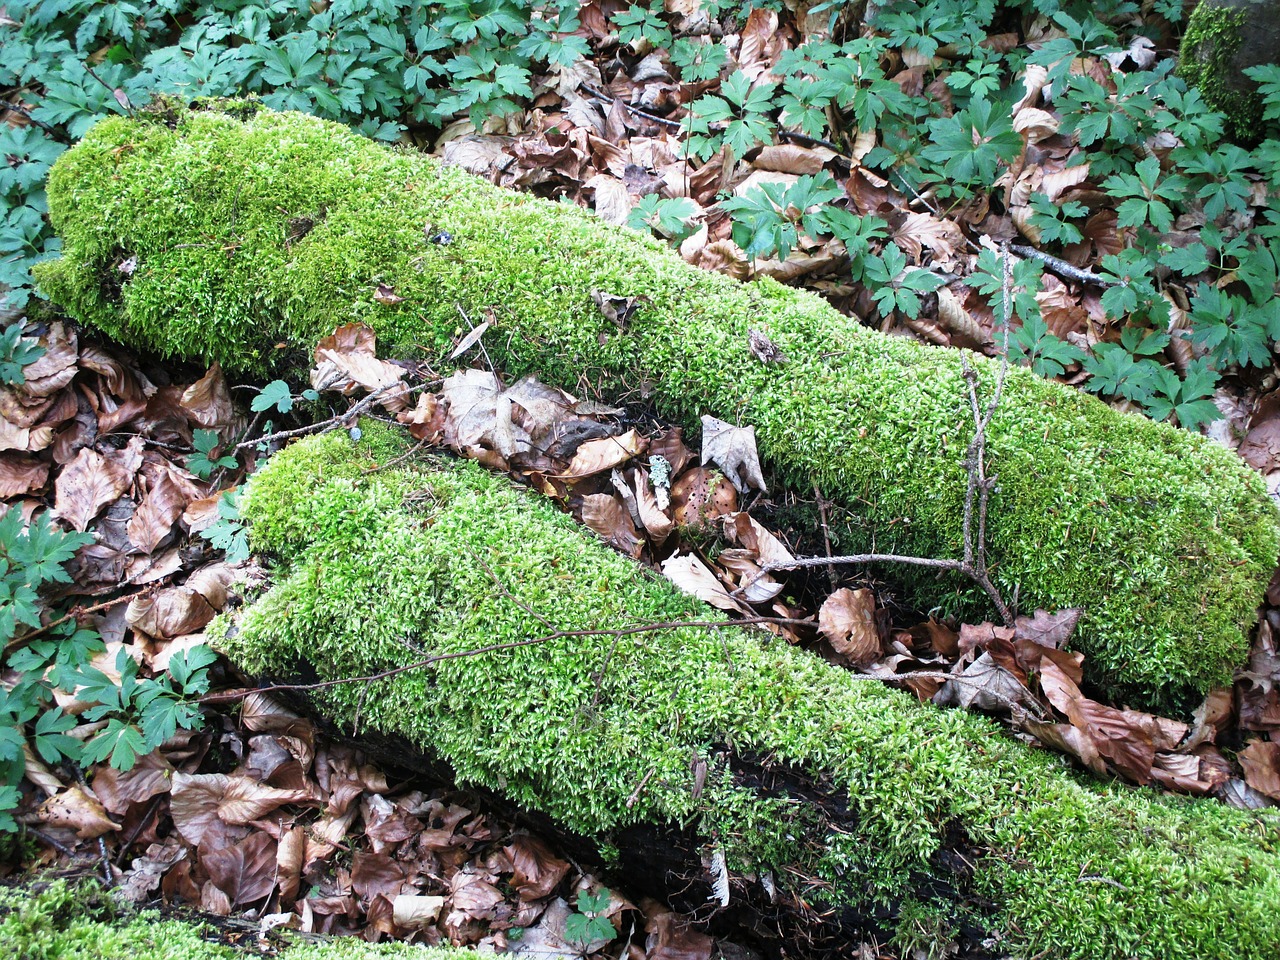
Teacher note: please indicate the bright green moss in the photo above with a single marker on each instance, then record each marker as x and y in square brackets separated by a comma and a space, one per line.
[62, 922]
[1205, 60]
[571, 726]
[1164, 539]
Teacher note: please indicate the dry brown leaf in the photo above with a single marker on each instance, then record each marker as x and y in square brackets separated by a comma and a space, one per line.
[536, 870]
[163, 504]
[1035, 124]
[412, 912]
[289, 854]
[346, 360]
[207, 402]
[606, 515]
[652, 515]
[93, 480]
[744, 529]
[920, 230]
[957, 319]
[673, 937]
[148, 777]
[21, 475]
[848, 622]
[246, 871]
[596, 456]
[612, 202]
[692, 576]
[699, 496]
[77, 810]
[733, 450]
[201, 803]
[1125, 738]
[793, 158]
[1261, 763]
[175, 611]
[57, 368]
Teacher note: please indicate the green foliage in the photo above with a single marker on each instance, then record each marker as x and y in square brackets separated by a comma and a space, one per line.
[667, 218]
[770, 217]
[227, 533]
[205, 460]
[588, 923]
[140, 713]
[277, 396]
[386, 65]
[17, 352]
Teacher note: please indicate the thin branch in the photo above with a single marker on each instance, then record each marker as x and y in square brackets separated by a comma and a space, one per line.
[75, 612]
[1068, 271]
[324, 425]
[230, 696]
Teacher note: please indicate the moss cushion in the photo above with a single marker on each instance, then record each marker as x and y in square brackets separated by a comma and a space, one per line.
[201, 234]
[378, 566]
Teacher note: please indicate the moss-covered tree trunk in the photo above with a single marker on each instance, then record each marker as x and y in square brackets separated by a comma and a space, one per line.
[261, 229]
[826, 795]
[1223, 39]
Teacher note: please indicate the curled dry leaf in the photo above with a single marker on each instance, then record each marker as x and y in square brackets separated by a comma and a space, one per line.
[692, 576]
[207, 402]
[93, 480]
[346, 360]
[245, 872]
[1124, 738]
[537, 871]
[204, 803]
[606, 515]
[166, 498]
[733, 450]
[77, 810]
[848, 622]
[673, 937]
[1261, 763]
[596, 456]
[148, 777]
[21, 475]
[412, 912]
[175, 611]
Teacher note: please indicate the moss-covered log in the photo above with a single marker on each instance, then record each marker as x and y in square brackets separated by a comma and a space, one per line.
[936, 812]
[199, 234]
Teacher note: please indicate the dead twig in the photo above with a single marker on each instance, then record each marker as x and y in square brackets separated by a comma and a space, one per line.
[1067, 271]
[75, 612]
[977, 491]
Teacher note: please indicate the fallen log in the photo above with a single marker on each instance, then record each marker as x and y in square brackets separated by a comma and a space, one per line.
[595, 703]
[242, 235]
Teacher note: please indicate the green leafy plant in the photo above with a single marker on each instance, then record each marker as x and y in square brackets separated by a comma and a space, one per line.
[205, 460]
[589, 924]
[45, 653]
[739, 119]
[228, 532]
[670, 218]
[277, 396]
[770, 218]
[17, 352]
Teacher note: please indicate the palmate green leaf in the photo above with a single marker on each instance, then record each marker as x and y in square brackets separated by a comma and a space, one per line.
[122, 742]
[275, 394]
[43, 548]
[51, 740]
[9, 798]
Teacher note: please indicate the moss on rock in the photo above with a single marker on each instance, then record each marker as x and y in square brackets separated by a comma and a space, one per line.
[1206, 59]
[377, 568]
[59, 921]
[1164, 539]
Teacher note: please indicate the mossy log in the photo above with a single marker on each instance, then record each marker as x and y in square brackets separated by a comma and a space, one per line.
[846, 795]
[198, 234]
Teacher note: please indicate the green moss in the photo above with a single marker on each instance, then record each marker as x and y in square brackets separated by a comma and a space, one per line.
[1164, 539]
[1205, 60]
[572, 725]
[59, 921]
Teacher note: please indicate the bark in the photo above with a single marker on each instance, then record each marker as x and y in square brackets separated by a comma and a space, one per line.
[1223, 39]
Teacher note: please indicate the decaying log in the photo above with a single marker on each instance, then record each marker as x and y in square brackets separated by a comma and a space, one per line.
[850, 801]
[179, 235]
